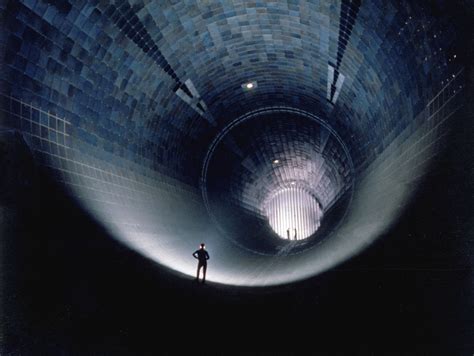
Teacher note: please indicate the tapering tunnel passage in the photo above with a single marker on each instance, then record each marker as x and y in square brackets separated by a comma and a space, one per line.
[273, 173]
[125, 103]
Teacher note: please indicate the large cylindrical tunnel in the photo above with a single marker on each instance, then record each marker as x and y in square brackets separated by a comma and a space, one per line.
[322, 150]
[175, 123]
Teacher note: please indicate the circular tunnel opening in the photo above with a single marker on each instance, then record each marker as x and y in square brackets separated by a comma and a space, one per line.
[271, 176]
[293, 213]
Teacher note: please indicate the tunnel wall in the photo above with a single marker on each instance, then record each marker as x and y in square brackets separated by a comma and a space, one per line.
[98, 106]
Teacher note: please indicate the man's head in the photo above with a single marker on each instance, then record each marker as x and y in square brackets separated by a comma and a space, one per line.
[203, 245]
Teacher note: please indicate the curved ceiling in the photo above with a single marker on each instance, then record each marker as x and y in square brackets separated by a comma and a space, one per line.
[123, 100]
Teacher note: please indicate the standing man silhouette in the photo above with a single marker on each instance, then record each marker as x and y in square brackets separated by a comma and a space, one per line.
[202, 256]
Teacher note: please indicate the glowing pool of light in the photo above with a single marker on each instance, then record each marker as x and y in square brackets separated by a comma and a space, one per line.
[293, 213]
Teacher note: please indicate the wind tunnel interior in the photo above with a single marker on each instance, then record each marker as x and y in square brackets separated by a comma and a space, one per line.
[139, 114]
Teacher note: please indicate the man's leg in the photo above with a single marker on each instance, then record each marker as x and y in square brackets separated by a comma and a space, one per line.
[204, 272]
[198, 270]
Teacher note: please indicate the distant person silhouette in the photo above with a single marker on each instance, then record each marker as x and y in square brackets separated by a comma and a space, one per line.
[202, 256]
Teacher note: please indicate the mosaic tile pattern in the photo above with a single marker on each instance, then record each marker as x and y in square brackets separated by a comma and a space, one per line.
[92, 86]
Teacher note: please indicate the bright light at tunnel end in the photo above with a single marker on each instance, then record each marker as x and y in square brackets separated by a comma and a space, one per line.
[293, 213]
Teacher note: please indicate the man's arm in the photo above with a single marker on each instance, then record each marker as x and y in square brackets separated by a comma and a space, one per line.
[194, 254]
[207, 255]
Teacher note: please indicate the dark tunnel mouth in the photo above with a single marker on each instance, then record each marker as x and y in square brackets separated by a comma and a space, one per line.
[271, 242]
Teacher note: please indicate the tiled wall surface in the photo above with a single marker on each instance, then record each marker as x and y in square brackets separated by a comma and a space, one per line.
[93, 87]
[262, 155]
